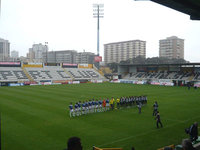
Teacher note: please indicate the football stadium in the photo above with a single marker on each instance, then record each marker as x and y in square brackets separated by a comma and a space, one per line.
[144, 106]
[35, 103]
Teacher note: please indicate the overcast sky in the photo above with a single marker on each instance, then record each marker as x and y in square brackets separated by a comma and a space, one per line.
[69, 25]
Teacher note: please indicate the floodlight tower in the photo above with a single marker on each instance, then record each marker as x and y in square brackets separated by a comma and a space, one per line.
[0, 8]
[98, 13]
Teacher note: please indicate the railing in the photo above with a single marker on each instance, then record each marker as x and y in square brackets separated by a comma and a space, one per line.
[26, 73]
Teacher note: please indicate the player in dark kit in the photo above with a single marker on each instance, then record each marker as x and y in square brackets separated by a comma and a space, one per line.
[155, 108]
[139, 107]
[158, 121]
[76, 109]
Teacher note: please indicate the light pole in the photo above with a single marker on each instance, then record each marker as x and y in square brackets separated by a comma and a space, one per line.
[0, 8]
[98, 13]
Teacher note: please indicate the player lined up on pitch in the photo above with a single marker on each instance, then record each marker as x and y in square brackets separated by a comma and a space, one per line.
[103, 105]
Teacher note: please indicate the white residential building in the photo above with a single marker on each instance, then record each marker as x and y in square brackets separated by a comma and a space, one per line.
[122, 51]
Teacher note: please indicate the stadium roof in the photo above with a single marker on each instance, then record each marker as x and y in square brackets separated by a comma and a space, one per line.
[146, 65]
[190, 7]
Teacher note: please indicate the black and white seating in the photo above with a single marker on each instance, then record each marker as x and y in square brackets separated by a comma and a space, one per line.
[48, 73]
[86, 74]
[12, 74]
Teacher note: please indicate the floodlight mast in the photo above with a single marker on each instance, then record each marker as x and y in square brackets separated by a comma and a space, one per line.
[0, 8]
[97, 9]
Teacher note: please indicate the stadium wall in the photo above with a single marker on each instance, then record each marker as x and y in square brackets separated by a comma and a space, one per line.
[132, 69]
[197, 84]
[66, 65]
[33, 65]
[10, 64]
[180, 74]
[174, 68]
[162, 68]
[122, 70]
[87, 66]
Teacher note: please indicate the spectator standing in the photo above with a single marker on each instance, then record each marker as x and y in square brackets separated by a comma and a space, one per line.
[74, 143]
[187, 145]
[168, 148]
[193, 131]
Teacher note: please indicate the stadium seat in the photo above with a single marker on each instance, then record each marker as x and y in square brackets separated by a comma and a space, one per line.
[48, 73]
[86, 74]
[162, 75]
[12, 74]
[58, 73]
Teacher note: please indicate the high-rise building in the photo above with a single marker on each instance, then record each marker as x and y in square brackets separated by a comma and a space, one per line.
[35, 53]
[65, 56]
[171, 47]
[31, 55]
[85, 58]
[122, 51]
[4, 50]
[14, 54]
[68, 56]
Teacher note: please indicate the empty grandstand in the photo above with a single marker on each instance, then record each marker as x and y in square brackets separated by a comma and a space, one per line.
[14, 74]
[163, 74]
[58, 73]
[81, 73]
[177, 74]
[48, 73]
[11, 72]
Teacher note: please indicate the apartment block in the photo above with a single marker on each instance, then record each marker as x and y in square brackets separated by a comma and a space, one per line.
[171, 47]
[122, 51]
[4, 50]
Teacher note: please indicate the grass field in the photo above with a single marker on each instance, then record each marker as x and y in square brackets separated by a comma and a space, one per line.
[37, 117]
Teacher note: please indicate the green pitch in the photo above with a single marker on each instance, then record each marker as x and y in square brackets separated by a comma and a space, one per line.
[37, 117]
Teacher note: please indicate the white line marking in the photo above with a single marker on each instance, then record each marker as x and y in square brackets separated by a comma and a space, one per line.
[144, 133]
